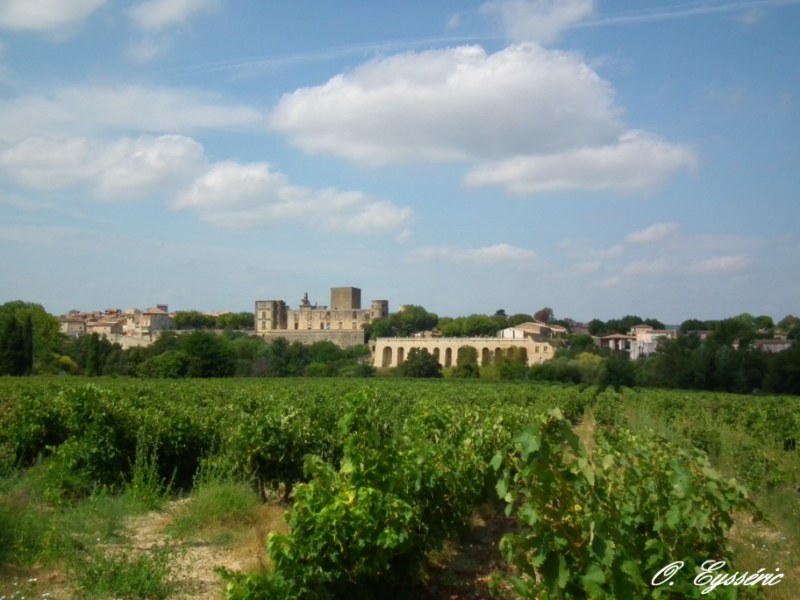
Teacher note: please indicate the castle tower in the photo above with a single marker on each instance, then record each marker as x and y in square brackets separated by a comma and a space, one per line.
[345, 298]
[379, 309]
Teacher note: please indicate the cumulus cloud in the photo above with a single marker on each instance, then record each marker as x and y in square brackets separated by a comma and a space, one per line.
[236, 195]
[79, 110]
[655, 233]
[496, 254]
[636, 162]
[452, 104]
[122, 168]
[531, 120]
[156, 15]
[45, 15]
[540, 21]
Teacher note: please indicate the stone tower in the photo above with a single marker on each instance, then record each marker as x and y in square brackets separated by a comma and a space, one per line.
[345, 298]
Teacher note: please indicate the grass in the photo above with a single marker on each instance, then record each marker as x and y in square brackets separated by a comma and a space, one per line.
[42, 540]
[85, 545]
[229, 513]
[214, 507]
[100, 573]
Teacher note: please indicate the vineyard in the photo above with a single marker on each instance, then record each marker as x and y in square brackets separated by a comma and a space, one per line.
[604, 489]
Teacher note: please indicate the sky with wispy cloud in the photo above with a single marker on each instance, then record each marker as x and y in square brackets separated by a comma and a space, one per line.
[592, 156]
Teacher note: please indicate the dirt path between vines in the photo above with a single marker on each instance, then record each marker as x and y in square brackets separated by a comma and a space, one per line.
[460, 571]
[194, 561]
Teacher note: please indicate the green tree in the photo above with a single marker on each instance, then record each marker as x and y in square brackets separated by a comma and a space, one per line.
[27, 343]
[39, 342]
[577, 344]
[790, 325]
[783, 371]
[413, 319]
[171, 364]
[239, 321]
[479, 325]
[210, 355]
[12, 346]
[90, 352]
[518, 319]
[450, 327]
[513, 364]
[192, 319]
[694, 325]
[420, 363]
[93, 364]
[618, 371]
[467, 363]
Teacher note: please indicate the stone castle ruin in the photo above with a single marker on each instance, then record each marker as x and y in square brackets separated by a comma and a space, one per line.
[341, 323]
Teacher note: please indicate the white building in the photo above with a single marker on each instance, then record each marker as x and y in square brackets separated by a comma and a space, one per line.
[645, 339]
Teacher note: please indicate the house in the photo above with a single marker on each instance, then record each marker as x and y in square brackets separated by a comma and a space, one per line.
[773, 346]
[72, 326]
[645, 339]
[532, 329]
[616, 341]
[107, 327]
[156, 320]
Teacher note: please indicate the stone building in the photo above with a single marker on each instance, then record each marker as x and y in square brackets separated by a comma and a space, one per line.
[342, 322]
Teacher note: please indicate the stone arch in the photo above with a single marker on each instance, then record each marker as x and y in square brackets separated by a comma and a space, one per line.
[448, 357]
[401, 355]
[386, 359]
[486, 357]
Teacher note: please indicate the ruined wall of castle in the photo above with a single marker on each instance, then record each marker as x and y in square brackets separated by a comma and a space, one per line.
[342, 322]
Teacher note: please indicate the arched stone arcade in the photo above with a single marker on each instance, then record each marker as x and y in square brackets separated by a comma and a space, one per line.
[391, 352]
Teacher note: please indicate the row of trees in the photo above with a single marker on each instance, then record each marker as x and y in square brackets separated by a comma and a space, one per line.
[413, 319]
[207, 354]
[192, 319]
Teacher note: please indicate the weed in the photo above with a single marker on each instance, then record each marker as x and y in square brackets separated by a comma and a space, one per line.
[146, 485]
[103, 574]
[216, 504]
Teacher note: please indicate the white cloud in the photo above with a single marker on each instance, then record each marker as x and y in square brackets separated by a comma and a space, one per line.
[687, 10]
[148, 48]
[497, 254]
[540, 21]
[584, 250]
[91, 108]
[155, 19]
[751, 17]
[156, 15]
[534, 120]
[454, 22]
[45, 15]
[637, 162]
[453, 104]
[722, 264]
[653, 266]
[122, 168]
[655, 233]
[235, 195]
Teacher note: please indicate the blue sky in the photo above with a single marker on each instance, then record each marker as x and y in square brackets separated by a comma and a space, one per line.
[464, 156]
